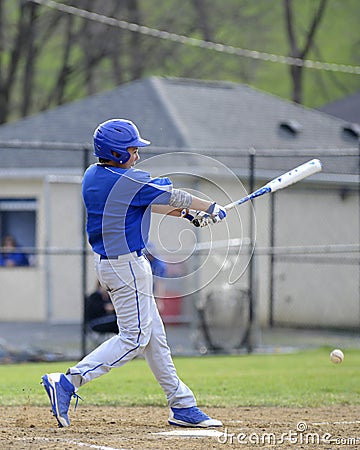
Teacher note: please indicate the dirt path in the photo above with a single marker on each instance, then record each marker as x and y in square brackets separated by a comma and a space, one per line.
[115, 428]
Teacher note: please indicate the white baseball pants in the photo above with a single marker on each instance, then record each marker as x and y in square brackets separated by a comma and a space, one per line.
[141, 331]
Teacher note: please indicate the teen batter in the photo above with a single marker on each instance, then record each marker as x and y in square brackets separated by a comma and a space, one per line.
[119, 201]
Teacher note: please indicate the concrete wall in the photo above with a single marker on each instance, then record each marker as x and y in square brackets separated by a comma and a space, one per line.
[23, 289]
[306, 291]
[309, 290]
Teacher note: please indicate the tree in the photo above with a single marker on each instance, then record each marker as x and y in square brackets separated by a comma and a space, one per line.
[23, 36]
[50, 57]
[296, 71]
[11, 55]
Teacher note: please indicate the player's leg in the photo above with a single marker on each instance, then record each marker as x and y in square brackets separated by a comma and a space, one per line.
[158, 356]
[124, 279]
[134, 321]
[183, 409]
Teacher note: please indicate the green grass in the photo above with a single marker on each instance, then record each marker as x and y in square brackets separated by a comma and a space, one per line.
[306, 378]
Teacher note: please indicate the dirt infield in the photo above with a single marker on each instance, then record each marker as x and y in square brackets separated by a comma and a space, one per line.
[115, 428]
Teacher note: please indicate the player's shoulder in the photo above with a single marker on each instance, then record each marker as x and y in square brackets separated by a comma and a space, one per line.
[104, 169]
[90, 169]
[89, 174]
[131, 174]
[138, 175]
[94, 169]
[145, 178]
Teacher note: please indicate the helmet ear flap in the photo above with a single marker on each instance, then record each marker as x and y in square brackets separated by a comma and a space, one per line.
[122, 157]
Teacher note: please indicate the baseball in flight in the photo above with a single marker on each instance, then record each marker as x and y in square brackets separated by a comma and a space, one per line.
[337, 356]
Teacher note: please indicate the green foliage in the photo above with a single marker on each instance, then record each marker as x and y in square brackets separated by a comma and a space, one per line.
[260, 26]
[306, 378]
[72, 57]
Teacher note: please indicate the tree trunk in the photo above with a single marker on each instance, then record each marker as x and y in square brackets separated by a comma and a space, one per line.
[28, 75]
[136, 58]
[9, 71]
[202, 19]
[296, 72]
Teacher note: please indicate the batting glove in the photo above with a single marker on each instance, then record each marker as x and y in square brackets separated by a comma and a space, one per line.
[214, 214]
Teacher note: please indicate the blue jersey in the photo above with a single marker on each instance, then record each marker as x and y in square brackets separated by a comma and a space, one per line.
[15, 258]
[118, 204]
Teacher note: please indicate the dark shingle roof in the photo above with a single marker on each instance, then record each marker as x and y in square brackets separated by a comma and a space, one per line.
[229, 115]
[347, 108]
[180, 113]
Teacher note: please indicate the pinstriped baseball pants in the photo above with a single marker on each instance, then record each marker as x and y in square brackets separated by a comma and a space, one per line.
[129, 282]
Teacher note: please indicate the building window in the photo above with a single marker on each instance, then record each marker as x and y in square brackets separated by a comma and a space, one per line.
[18, 220]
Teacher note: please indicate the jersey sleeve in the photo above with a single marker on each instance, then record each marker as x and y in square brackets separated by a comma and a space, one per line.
[153, 191]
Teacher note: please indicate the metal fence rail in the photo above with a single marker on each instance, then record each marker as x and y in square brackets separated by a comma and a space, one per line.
[275, 253]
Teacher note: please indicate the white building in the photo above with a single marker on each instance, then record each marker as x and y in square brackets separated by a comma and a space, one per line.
[208, 131]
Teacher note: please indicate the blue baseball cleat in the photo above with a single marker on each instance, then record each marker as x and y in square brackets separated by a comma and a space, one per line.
[60, 390]
[191, 417]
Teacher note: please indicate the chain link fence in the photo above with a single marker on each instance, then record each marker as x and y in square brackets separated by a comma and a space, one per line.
[286, 260]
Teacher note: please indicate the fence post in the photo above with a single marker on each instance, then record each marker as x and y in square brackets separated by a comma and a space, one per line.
[272, 259]
[359, 203]
[250, 339]
[84, 262]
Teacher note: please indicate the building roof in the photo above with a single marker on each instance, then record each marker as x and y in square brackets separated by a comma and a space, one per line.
[346, 108]
[182, 114]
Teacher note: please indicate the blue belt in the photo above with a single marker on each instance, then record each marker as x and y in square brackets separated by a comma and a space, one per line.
[138, 252]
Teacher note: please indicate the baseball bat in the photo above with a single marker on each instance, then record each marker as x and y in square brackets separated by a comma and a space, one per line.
[281, 182]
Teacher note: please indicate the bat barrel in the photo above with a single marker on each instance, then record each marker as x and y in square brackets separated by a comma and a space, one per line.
[282, 181]
[295, 175]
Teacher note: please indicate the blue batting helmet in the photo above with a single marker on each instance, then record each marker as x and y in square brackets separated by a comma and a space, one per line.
[117, 135]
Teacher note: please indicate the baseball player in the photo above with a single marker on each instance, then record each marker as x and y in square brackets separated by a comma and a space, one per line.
[119, 200]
